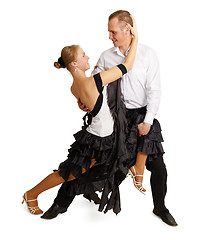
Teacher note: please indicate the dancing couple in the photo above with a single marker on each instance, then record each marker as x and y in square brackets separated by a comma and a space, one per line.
[120, 133]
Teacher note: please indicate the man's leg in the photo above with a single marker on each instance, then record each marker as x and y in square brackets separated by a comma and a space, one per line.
[64, 199]
[158, 182]
[61, 203]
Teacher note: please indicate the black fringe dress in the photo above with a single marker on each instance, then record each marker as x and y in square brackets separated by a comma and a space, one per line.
[108, 151]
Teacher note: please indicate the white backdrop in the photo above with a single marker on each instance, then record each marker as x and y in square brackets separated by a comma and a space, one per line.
[38, 114]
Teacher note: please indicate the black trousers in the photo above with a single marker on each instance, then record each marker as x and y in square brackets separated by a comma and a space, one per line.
[158, 181]
[67, 193]
[62, 199]
[150, 144]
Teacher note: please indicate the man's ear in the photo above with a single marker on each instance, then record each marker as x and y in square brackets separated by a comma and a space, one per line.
[127, 28]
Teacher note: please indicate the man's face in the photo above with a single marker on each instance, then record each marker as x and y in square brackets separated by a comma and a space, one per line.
[118, 33]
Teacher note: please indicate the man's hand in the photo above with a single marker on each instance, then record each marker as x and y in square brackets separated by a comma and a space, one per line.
[144, 128]
[82, 106]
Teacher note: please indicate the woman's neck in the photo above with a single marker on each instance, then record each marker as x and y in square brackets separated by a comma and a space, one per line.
[79, 75]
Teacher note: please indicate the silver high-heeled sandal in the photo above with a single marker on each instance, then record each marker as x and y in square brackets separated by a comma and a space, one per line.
[138, 185]
[31, 209]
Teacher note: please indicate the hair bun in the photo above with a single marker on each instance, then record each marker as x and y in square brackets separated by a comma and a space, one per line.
[57, 65]
[61, 62]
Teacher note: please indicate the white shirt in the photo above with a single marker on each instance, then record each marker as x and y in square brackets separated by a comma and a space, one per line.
[140, 86]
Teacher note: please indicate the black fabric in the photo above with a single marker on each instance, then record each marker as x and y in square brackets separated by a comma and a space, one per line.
[61, 62]
[98, 81]
[107, 176]
[88, 116]
[110, 155]
[97, 106]
[122, 68]
[152, 145]
[158, 181]
[118, 112]
[99, 101]
[86, 147]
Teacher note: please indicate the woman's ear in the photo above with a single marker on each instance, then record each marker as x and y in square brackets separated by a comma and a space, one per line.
[73, 64]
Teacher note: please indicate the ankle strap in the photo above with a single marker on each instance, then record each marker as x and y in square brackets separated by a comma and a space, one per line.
[33, 200]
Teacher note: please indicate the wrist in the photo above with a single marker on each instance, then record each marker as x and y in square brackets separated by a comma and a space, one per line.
[147, 124]
[149, 117]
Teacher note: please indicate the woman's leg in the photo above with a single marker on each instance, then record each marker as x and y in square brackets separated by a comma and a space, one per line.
[139, 167]
[71, 177]
[52, 180]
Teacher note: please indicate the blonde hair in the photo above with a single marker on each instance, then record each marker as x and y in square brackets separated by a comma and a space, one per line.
[68, 55]
[123, 16]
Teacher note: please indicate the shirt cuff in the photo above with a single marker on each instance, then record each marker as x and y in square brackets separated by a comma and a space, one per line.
[149, 117]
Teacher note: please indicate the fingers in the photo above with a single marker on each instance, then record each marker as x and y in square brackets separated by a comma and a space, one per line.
[130, 28]
[129, 25]
[79, 101]
[84, 108]
[133, 29]
[133, 20]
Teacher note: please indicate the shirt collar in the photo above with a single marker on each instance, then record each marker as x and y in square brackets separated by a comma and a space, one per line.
[117, 50]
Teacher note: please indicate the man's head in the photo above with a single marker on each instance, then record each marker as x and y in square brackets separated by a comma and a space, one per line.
[119, 33]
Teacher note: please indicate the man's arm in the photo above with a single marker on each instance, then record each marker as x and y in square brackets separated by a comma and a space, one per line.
[100, 66]
[153, 91]
[153, 88]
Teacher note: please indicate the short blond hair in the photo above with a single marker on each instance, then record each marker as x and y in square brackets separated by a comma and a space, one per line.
[123, 16]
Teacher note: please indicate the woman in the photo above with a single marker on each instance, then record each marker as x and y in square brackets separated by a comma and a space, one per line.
[94, 146]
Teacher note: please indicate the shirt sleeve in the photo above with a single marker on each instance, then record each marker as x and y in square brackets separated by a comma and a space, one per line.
[153, 87]
[100, 66]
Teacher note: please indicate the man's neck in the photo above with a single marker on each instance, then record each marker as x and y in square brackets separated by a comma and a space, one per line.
[123, 49]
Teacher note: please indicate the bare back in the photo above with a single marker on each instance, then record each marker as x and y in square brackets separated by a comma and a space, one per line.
[86, 90]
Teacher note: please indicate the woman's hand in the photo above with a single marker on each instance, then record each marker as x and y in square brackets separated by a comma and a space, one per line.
[82, 106]
[133, 47]
[133, 29]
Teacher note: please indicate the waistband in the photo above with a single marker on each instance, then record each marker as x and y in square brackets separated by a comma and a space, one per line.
[141, 110]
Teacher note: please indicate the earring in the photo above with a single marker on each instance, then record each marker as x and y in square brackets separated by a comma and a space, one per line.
[75, 69]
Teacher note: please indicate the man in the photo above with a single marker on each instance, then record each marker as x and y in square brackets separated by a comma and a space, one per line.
[140, 89]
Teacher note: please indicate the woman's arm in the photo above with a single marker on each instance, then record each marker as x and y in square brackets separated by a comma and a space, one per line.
[114, 73]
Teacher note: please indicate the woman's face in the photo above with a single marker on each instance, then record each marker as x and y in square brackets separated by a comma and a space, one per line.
[82, 60]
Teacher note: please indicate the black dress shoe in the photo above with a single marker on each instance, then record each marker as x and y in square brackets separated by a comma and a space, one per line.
[167, 218]
[94, 197]
[53, 211]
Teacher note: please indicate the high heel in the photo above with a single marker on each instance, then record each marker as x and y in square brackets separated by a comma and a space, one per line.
[32, 210]
[138, 185]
